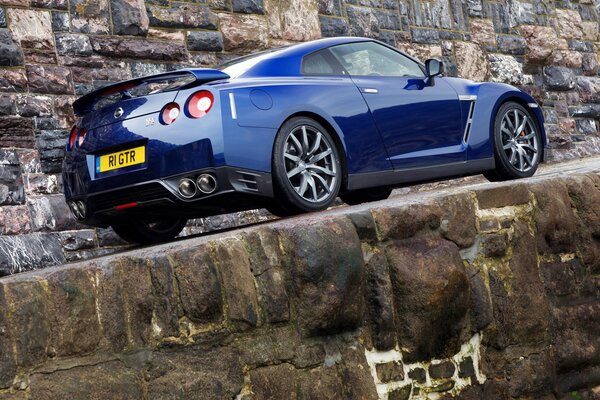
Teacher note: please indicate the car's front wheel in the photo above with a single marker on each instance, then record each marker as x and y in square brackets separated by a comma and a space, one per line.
[517, 143]
[307, 170]
[150, 231]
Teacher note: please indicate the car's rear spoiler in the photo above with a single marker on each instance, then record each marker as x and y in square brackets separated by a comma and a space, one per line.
[86, 103]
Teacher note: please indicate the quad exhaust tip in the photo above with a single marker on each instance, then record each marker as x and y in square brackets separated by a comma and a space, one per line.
[206, 183]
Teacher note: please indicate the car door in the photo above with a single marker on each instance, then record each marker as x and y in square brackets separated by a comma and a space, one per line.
[418, 118]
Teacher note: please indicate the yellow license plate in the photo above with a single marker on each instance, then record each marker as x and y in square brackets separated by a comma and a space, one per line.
[121, 159]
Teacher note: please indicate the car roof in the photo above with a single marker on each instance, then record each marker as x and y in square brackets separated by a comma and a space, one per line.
[286, 61]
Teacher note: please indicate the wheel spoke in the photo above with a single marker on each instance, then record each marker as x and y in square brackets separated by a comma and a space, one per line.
[304, 141]
[516, 114]
[507, 131]
[320, 156]
[294, 172]
[296, 142]
[513, 156]
[291, 157]
[521, 127]
[521, 167]
[316, 145]
[303, 185]
[321, 169]
[530, 147]
[313, 187]
[507, 146]
[529, 135]
[322, 181]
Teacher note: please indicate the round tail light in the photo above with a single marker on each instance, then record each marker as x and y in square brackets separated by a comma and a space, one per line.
[199, 104]
[169, 113]
[72, 138]
[81, 137]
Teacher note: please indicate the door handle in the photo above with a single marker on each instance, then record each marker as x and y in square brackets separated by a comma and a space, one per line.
[369, 90]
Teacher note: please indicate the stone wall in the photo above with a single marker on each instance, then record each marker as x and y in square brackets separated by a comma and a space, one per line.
[52, 51]
[489, 292]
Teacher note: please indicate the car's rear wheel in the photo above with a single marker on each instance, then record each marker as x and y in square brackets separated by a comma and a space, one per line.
[150, 231]
[517, 143]
[366, 195]
[307, 170]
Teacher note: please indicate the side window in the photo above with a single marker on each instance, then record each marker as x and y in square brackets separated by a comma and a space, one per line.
[370, 58]
[317, 64]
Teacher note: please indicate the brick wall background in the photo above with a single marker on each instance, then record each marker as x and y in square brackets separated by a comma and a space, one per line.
[52, 51]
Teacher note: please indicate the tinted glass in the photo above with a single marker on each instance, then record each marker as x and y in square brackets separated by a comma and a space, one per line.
[370, 58]
[317, 64]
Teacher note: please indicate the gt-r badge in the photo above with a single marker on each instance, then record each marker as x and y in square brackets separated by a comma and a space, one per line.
[118, 112]
[150, 121]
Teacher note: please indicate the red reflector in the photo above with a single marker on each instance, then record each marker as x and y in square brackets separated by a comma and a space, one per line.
[81, 137]
[199, 104]
[72, 138]
[169, 113]
[126, 206]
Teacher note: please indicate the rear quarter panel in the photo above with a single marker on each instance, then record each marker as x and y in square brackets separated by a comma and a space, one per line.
[267, 104]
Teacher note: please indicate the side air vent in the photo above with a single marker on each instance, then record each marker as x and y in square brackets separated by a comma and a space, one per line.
[248, 180]
[471, 100]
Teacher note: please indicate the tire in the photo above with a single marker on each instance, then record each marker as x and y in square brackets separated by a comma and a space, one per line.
[517, 143]
[147, 232]
[307, 170]
[366, 195]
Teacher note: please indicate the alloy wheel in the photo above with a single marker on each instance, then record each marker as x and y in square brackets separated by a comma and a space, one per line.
[519, 140]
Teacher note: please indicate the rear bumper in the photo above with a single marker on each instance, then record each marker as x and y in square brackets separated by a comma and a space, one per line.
[237, 190]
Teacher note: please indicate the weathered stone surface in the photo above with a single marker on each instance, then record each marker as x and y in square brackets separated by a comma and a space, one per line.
[13, 80]
[514, 45]
[73, 322]
[457, 223]
[506, 69]
[11, 189]
[129, 17]
[73, 44]
[57, 4]
[559, 78]
[471, 61]
[274, 382]
[266, 260]
[15, 220]
[194, 373]
[199, 286]
[183, 15]
[405, 222]
[205, 41]
[111, 380]
[364, 22]
[78, 240]
[10, 54]
[589, 64]
[321, 382]
[139, 48]
[89, 16]
[390, 371]
[248, 6]
[482, 32]
[52, 146]
[442, 370]
[568, 23]
[430, 273]
[32, 29]
[332, 26]
[379, 305]
[328, 272]
[244, 32]
[45, 79]
[499, 196]
[575, 336]
[541, 42]
[293, 20]
[239, 285]
[8, 367]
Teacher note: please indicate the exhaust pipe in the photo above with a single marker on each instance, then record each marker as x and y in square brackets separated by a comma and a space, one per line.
[206, 183]
[186, 188]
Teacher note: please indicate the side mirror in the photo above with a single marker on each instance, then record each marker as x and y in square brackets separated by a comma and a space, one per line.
[434, 67]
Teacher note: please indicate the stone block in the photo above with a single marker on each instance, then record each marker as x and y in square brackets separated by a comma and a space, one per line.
[167, 293]
[15, 220]
[541, 43]
[73, 323]
[39, 184]
[16, 132]
[322, 382]
[457, 222]
[194, 373]
[471, 61]
[60, 21]
[431, 297]
[531, 375]
[500, 196]
[569, 24]
[2, 18]
[89, 16]
[244, 33]
[109, 380]
[129, 17]
[442, 370]
[510, 44]
[139, 48]
[13, 80]
[267, 264]
[248, 6]
[31, 28]
[10, 53]
[73, 44]
[466, 368]
[333, 26]
[51, 213]
[199, 285]
[482, 32]
[11, 183]
[47, 79]
[27, 252]
[183, 15]
[56, 4]
[418, 374]
[389, 372]
[8, 367]
[379, 302]
[205, 41]
[274, 382]
[407, 221]
[506, 69]
[292, 20]
[238, 283]
[327, 276]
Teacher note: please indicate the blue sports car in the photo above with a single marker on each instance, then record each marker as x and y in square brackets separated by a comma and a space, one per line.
[290, 130]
